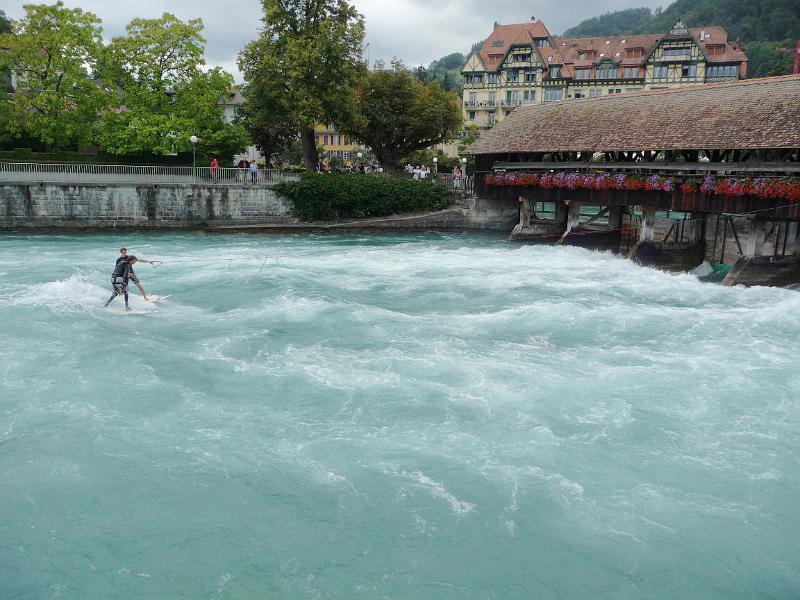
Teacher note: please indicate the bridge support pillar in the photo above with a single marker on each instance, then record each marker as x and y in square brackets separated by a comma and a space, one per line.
[793, 238]
[573, 214]
[524, 213]
[614, 217]
[758, 234]
[648, 224]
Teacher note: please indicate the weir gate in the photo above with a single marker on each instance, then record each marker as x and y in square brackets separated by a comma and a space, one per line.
[671, 177]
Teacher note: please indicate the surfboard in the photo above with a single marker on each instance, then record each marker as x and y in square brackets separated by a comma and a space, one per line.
[132, 311]
[158, 298]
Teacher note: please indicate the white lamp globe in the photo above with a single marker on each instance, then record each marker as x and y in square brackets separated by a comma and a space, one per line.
[193, 139]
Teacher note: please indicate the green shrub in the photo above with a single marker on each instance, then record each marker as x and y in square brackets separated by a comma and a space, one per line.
[98, 158]
[333, 197]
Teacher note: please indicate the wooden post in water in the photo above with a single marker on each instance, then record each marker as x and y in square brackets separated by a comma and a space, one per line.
[758, 234]
[648, 224]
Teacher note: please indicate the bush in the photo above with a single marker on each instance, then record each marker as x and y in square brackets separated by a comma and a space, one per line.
[326, 197]
[100, 158]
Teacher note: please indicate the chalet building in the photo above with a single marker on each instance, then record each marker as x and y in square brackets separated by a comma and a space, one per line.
[523, 64]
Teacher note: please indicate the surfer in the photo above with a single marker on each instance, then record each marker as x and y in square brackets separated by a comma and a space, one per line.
[123, 255]
[123, 272]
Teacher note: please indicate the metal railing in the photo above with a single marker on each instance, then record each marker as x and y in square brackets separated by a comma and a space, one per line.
[111, 174]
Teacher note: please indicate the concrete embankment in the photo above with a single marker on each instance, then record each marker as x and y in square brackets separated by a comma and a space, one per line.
[220, 208]
[97, 206]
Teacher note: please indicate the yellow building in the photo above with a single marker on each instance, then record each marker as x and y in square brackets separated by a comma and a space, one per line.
[523, 63]
[335, 144]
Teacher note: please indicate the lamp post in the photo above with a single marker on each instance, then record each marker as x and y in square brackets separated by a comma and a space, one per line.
[435, 165]
[464, 174]
[360, 164]
[193, 139]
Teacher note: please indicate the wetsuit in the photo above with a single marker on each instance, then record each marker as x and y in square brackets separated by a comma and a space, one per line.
[123, 272]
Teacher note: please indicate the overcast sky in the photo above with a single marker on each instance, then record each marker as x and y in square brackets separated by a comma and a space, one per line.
[418, 31]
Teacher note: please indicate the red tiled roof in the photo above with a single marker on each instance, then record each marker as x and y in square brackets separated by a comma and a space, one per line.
[567, 50]
[749, 114]
[520, 33]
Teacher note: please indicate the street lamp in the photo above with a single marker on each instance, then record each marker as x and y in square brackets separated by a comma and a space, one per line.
[435, 165]
[464, 174]
[193, 139]
[360, 164]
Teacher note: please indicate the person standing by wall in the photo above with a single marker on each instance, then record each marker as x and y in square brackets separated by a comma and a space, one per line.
[214, 168]
[253, 172]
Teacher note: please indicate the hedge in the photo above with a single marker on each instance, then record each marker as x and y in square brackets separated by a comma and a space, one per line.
[100, 158]
[333, 197]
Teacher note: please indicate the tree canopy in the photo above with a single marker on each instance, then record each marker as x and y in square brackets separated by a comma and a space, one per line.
[145, 92]
[398, 114]
[308, 58]
[53, 50]
[162, 95]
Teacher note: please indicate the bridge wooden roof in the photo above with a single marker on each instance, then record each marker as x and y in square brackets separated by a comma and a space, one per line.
[749, 114]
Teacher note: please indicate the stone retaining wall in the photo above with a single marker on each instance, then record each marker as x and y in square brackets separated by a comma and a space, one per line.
[47, 205]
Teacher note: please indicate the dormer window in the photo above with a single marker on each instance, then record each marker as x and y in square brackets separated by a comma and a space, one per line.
[497, 44]
[606, 71]
[582, 56]
[542, 42]
[555, 72]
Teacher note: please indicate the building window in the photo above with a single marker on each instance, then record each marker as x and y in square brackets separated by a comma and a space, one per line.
[346, 154]
[497, 44]
[660, 71]
[473, 98]
[472, 115]
[512, 76]
[335, 140]
[614, 91]
[530, 76]
[680, 52]
[582, 73]
[689, 71]
[526, 57]
[553, 95]
[578, 95]
[492, 98]
[582, 56]
[491, 119]
[630, 72]
[595, 93]
[492, 77]
[722, 71]
[555, 72]
[324, 140]
[474, 78]
[529, 96]
[606, 72]
[542, 43]
[512, 98]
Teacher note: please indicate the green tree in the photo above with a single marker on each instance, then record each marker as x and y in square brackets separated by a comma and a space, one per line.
[310, 51]
[267, 112]
[5, 72]
[162, 95]
[398, 114]
[53, 50]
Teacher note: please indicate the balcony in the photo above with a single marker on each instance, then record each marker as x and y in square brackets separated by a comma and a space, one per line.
[492, 104]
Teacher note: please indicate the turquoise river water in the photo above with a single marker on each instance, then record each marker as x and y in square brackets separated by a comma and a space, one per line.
[421, 416]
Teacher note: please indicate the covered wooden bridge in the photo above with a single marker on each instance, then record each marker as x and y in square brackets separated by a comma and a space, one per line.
[725, 157]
